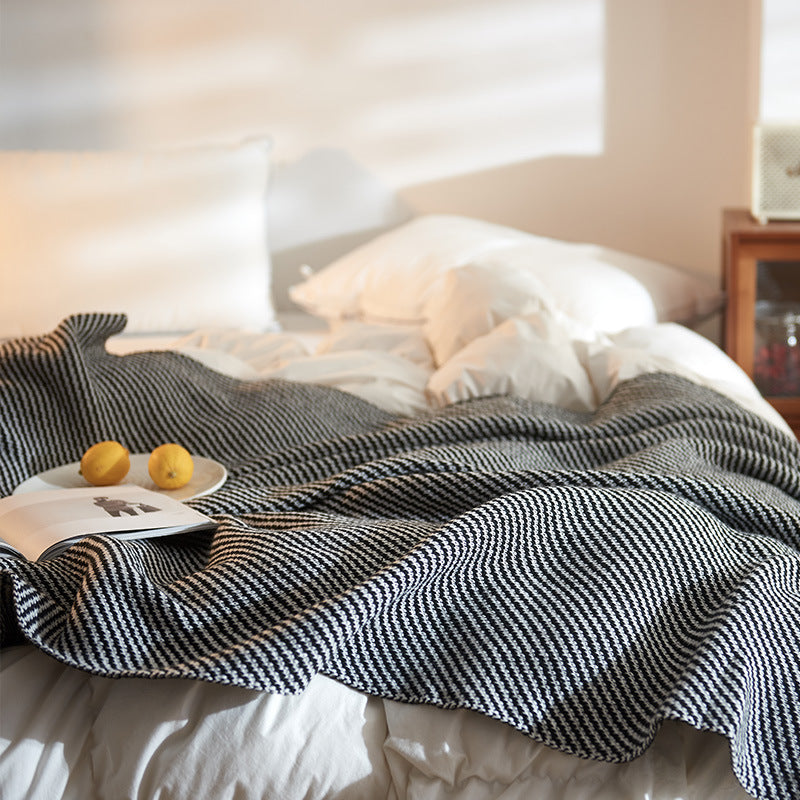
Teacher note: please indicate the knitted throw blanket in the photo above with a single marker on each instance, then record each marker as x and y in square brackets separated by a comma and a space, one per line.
[579, 577]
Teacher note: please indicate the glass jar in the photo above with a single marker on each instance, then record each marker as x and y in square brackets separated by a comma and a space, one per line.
[776, 361]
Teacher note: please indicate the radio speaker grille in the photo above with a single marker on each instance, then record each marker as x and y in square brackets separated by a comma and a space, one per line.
[776, 172]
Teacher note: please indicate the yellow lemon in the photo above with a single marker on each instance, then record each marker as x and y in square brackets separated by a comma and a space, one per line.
[170, 466]
[105, 463]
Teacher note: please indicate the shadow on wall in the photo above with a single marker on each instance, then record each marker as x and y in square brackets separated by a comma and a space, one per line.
[680, 100]
[680, 93]
[320, 207]
[413, 89]
[51, 85]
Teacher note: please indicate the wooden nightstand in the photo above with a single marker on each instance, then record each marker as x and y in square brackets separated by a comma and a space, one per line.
[761, 268]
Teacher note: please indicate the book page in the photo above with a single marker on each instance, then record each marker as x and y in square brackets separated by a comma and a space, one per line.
[35, 521]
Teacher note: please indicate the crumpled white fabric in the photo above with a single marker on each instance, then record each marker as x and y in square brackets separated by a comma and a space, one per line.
[529, 356]
[669, 347]
[542, 355]
[385, 379]
[406, 341]
[68, 734]
[437, 754]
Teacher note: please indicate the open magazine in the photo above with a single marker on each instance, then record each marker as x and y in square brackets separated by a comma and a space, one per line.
[40, 525]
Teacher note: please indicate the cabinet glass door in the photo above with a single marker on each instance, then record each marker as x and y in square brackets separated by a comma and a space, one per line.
[776, 358]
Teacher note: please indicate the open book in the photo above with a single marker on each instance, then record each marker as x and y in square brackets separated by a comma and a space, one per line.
[40, 525]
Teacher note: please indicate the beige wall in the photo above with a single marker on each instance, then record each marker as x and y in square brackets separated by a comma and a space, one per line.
[648, 103]
[681, 97]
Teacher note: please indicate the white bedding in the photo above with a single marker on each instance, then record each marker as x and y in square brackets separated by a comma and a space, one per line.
[84, 737]
[65, 733]
[542, 356]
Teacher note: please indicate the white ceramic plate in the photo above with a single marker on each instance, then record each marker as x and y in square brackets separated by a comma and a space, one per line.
[208, 475]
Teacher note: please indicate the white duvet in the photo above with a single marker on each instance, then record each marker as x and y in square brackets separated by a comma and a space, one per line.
[542, 356]
[65, 733]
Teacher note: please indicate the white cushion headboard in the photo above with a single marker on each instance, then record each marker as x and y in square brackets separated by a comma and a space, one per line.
[175, 239]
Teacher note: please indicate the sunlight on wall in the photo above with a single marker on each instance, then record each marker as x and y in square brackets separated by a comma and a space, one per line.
[780, 60]
[415, 90]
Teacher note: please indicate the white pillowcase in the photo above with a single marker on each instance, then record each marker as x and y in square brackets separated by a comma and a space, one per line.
[175, 239]
[395, 275]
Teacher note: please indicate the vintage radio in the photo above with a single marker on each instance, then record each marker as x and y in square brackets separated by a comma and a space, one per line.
[776, 172]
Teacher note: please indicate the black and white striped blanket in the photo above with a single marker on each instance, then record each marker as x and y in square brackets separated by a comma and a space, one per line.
[580, 577]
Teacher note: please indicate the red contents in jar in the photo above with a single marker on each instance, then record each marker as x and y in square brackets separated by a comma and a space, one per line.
[776, 369]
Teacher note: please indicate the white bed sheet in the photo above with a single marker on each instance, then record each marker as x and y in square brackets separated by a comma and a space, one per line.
[65, 733]
[68, 734]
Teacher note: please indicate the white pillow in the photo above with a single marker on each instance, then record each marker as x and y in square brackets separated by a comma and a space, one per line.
[393, 276]
[175, 239]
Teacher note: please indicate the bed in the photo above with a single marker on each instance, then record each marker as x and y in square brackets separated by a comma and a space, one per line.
[497, 521]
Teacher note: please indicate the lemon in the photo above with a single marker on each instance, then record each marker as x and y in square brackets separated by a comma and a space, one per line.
[105, 463]
[170, 466]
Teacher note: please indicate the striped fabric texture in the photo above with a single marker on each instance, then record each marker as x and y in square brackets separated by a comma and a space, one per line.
[579, 577]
